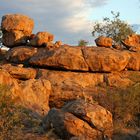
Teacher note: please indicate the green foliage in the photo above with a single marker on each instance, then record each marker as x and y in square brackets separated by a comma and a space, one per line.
[115, 28]
[82, 43]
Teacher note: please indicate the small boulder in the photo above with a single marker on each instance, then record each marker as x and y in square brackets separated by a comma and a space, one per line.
[17, 22]
[41, 38]
[95, 115]
[104, 41]
[132, 42]
[66, 125]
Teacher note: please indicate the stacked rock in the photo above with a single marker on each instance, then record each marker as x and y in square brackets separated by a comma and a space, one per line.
[16, 29]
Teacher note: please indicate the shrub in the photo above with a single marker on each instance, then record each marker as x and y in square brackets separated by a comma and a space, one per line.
[82, 43]
[115, 28]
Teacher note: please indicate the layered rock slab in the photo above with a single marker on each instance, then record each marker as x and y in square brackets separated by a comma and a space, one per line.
[100, 59]
[63, 58]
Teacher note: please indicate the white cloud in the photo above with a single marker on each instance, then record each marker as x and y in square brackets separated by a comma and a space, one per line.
[68, 20]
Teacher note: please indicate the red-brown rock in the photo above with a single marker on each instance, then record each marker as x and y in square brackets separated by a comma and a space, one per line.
[134, 61]
[132, 42]
[66, 125]
[20, 72]
[104, 41]
[41, 38]
[70, 85]
[14, 38]
[35, 95]
[102, 59]
[68, 58]
[20, 54]
[95, 115]
[17, 22]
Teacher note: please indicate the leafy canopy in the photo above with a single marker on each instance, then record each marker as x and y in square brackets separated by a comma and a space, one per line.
[115, 28]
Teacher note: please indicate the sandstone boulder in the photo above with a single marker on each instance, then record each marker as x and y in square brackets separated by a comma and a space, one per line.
[41, 38]
[95, 115]
[68, 58]
[66, 125]
[17, 22]
[104, 41]
[20, 72]
[20, 54]
[132, 42]
[105, 59]
[16, 29]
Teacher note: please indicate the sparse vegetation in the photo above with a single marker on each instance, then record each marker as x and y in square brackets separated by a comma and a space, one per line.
[14, 119]
[82, 43]
[115, 28]
[124, 105]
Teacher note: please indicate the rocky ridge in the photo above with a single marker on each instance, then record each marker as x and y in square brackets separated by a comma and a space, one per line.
[62, 82]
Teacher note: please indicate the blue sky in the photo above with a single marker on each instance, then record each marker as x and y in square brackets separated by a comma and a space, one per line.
[71, 20]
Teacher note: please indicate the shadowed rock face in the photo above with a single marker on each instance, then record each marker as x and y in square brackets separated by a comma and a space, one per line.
[20, 54]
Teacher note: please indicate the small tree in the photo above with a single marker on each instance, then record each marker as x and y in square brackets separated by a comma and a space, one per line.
[82, 43]
[115, 28]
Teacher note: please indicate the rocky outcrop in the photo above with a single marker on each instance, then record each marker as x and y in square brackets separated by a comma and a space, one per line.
[81, 119]
[41, 39]
[20, 54]
[16, 29]
[72, 58]
[132, 42]
[103, 41]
